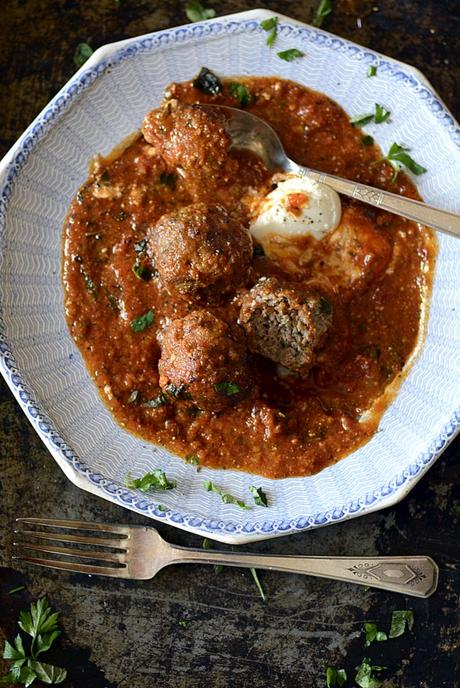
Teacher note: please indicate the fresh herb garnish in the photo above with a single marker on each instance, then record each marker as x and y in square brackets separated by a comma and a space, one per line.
[290, 54]
[361, 120]
[141, 271]
[156, 480]
[260, 498]
[335, 677]
[241, 93]
[370, 629]
[398, 156]
[371, 71]
[168, 179]
[18, 589]
[255, 576]
[399, 620]
[227, 388]
[367, 140]
[323, 10]
[196, 12]
[271, 27]
[364, 675]
[226, 498]
[82, 53]
[158, 401]
[142, 322]
[183, 623]
[381, 115]
[192, 459]
[113, 301]
[207, 545]
[208, 82]
[42, 625]
[140, 246]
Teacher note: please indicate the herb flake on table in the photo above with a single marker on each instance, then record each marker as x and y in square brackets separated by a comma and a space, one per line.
[371, 71]
[290, 54]
[255, 576]
[365, 677]
[372, 633]
[241, 93]
[398, 156]
[18, 589]
[143, 322]
[260, 498]
[209, 486]
[335, 678]
[195, 11]
[183, 623]
[400, 620]
[271, 27]
[323, 10]
[155, 480]
[208, 82]
[83, 52]
[227, 388]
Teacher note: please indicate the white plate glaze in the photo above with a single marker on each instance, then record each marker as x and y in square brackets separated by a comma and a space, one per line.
[104, 102]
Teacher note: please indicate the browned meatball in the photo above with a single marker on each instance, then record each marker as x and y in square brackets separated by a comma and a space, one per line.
[200, 252]
[193, 139]
[284, 324]
[203, 357]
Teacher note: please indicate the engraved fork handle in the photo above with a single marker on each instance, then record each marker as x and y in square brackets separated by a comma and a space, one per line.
[414, 210]
[416, 576]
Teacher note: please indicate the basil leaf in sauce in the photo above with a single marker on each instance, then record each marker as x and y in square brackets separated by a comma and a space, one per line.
[83, 52]
[226, 498]
[398, 156]
[335, 678]
[323, 10]
[156, 480]
[260, 498]
[400, 619]
[372, 633]
[371, 71]
[141, 271]
[142, 322]
[208, 82]
[168, 179]
[271, 27]
[196, 12]
[241, 93]
[291, 54]
[227, 388]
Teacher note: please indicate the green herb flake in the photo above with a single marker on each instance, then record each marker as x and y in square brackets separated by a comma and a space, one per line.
[143, 322]
[365, 675]
[183, 623]
[400, 619]
[83, 52]
[207, 545]
[323, 10]
[196, 12]
[208, 82]
[271, 27]
[141, 271]
[371, 71]
[260, 498]
[457, 509]
[226, 498]
[241, 93]
[255, 576]
[18, 589]
[335, 677]
[381, 114]
[371, 632]
[367, 140]
[156, 402]
[227, 388]
[398, 156]
[290, 54]
[361, 120]
[168, 179]
[192, 459]
[156, 480]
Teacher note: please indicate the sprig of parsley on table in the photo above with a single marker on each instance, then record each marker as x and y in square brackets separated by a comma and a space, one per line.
[195, 11]
[41, 623]
[324, 9]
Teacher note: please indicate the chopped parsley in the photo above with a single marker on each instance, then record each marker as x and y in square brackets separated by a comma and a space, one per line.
[141, 271]
[371, 71]
[361, 120]
[323, 10]
[168, 179]
[192, 459]
[156, 480]
[255, 576]
[367, 140]
[196, 12]
[241, 93]
[335, 677]
[156, 402]
[365, 674]
[226, 498]
[142, 322]
[398, 156]
[271, 27]
[260, 498]
[400, 619]
[18, 589]
[370, 629]
[290, 54]
[208, 82]
[83, 52]
[380, 115]
[207, 545]
[140, 246]
[183, 623]
[227, 388]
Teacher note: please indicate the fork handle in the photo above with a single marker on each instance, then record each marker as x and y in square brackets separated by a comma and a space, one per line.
[400, 205]
[416, 576]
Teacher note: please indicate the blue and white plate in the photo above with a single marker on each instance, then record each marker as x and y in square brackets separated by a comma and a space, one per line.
[103, 103]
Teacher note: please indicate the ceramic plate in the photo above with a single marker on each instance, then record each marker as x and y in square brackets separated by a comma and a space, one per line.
[103, 103]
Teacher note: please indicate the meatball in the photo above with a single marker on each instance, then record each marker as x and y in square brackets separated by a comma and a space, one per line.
[200, 252]
[283, 324]
[207, 360]
[193, 139]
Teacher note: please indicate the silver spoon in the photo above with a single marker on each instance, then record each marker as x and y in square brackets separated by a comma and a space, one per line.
[249, 131]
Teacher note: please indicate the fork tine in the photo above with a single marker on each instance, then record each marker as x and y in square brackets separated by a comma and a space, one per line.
[77, 568]
[74, 552]
[76, 525]
[82, 539]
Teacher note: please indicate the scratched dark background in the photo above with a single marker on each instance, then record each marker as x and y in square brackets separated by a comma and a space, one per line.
[127, 634]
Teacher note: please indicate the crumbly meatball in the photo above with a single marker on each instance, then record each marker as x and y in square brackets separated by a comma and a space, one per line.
[193, 140]
[206, 359]
[200, 252]
[283, 324]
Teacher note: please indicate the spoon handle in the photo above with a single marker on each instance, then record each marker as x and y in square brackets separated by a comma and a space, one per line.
[400, 205]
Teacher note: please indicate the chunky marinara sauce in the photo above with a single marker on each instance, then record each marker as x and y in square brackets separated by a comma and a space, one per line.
[293, 426]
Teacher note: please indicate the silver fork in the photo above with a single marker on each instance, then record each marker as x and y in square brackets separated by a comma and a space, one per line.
[139, 553]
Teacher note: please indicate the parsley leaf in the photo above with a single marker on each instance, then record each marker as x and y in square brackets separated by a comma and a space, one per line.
[18, 589]
[323, 10]
[335, 677]
[207, 545]
[196, 12]
[381, 115]
[226, 498]
[41, 624]
[367, 140]
[361, 120]
[183, 623]
[260, 498]
[370, 629]
[364, 675]
[271, 27]
[371, 71]
[241, 93]
[156, 480]
[399, 620]
[291, 54]
[227, 388]
[168, 179]
[398, 156]
[83, 52]
[141, 271]
[258, 583]
[47, 673]
[16, 651]
[208, 82]
[142, 322]
[192, 459]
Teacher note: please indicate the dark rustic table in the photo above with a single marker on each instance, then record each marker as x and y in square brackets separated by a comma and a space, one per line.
[127, 634]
